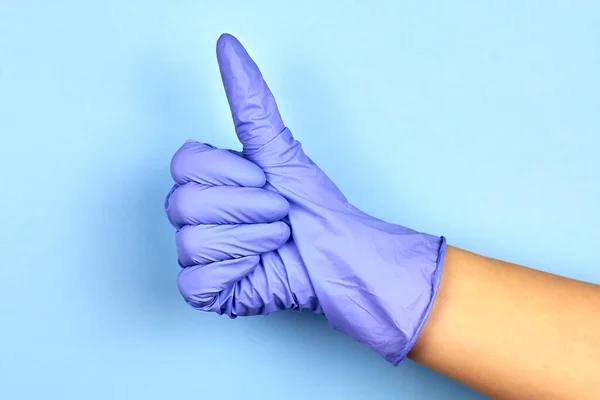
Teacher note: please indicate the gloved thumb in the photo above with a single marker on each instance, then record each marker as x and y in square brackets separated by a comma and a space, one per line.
[253, 107]
[265, 139]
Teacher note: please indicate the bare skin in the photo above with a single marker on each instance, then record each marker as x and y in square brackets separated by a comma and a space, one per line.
[512, 332]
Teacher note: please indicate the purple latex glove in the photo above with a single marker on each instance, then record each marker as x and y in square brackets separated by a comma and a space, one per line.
[374, 281]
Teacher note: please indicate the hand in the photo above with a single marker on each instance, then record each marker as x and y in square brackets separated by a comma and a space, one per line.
[373, 281]
[237, 254]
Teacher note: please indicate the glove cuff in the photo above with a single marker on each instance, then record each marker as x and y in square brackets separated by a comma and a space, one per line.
[435, 283]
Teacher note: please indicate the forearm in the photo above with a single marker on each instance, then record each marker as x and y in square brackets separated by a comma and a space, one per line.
[513, 332]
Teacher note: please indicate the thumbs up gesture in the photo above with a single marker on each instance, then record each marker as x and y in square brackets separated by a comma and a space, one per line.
[266, 230]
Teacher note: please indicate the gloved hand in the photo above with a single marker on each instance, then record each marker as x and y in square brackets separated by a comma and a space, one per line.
[234, 212]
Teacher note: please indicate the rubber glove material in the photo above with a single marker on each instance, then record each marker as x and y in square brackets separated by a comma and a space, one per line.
[374, 281]
[237, 254]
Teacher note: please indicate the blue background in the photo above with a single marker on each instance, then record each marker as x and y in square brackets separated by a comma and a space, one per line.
[477, 121]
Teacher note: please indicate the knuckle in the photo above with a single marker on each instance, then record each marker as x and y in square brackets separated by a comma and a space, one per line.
[185, 244]
[177, 202]
[178, 163]
[190, 285]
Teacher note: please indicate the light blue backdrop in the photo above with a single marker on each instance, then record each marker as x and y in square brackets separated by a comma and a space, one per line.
[479, 122]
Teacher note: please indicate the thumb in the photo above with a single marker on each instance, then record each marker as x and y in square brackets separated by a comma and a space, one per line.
[257, 122]
[253, 107]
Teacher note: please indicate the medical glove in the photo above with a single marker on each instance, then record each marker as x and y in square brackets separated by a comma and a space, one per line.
[267, 230]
